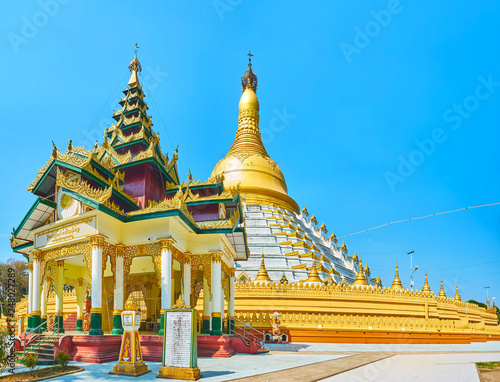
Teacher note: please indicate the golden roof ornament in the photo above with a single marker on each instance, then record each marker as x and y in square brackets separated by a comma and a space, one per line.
[441, 291]
[333, 237]
[262, 275]
[135, 67]
[54, 150]
[457, 295]
[426, 287]
[313, 274]
[366, 269]
[131, 303]
[354, 257]
[360, 277]
[249, 79]
[304, 212]
[396, 284]
[378, 281]
[284, 279]
[70, 145]
[323, 228]
[343, 246]
[180, 304]
[313, 219]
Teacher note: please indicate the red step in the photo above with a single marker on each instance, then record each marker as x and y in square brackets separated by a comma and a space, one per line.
[69, 323]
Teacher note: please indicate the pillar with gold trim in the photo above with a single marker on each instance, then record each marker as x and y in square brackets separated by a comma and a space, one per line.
[186, 279]
[79, 306]
[97, 243]
[118, 292]
[30, 295]
[166, 279]
[58, 328]
[207, 306]
[230, 312]
[35, 302]
[43, 306]
[216, 294]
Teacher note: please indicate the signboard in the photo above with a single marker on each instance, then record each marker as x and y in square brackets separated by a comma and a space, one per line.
[180, 339]
[66, 232]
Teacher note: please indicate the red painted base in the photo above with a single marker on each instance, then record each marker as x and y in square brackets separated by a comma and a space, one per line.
[95, 349]
[215, 346]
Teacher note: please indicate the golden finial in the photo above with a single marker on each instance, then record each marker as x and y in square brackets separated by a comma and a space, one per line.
[284, 279]
[396, 284]
[190, 176]
[354, 257]
[333, 237]
[54, 150]
[457, 295]
[426, 287]
[262, 275]
[360, 277]
[131, 303]
[343, 246]
[313, 219]
[313, 274]
[378, 281]
[70, 146]
[366, 269]
[249, 79]
[304, 212]
[180, 304]
[441, 291]
[135, 67]
[323, 228]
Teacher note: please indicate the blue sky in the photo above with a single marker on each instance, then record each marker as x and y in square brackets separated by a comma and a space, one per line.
[389, 110]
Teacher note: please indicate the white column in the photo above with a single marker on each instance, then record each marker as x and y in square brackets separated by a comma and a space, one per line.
[186, 279]
[35, 302]
[207, 306]
[43, 306]
[166, 273]
[30, 287]
[97, 274]
[59, 287]
[118, 299]
[216, 294]
[231, 294]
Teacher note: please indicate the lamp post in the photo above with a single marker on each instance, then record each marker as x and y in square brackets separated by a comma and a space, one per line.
[413, 270]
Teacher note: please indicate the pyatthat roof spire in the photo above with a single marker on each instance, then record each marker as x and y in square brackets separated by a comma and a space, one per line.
[262, 275]
[249, 79]
[441, 291]
[396, 284]
[426, 287]
[360, 277]
[135, 67]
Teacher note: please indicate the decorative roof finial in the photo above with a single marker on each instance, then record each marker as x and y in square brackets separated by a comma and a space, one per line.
[70, 146]
[457, 295]
[54, 150]
[360, 277]
[396, 284]
[441, 291]
[262, 275]
[249, 79]
[426, 287]
[313, 274]
[135, 67]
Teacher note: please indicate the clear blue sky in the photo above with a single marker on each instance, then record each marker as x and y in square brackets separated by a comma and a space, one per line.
[358, 88]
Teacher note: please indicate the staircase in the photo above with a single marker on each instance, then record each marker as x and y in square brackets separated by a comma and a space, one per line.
[43, 347]
[69, 324]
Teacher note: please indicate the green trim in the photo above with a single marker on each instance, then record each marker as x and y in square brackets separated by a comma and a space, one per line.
[117, 324]
[206, 327]
[162, 326]
[146, 160]
[35, 322]
[22, 246]
[216, 326]
[79, 326]
[39, 200]
[122, 145]
[59, 324]
[95, 324]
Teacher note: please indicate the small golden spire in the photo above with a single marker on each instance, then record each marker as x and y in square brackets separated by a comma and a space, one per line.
[313, 274]
[249, 79]
[304, 212]
[135, 67]
[360, 277]
[70, 145]
[262, 275]
[378, 281]
[426, 287]
[396, 284]
[54, 150]
[354, 257]
[323, 228]
[366, 269]
[284, 279]
[313, 219]
[343, 246]
[441, 291]
[333, 237]
[457, 295]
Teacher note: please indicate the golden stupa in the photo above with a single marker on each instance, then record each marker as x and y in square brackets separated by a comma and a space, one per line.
[247, 162]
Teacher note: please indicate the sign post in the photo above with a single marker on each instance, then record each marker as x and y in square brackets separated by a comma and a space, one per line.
[180, 351]
[130, 361]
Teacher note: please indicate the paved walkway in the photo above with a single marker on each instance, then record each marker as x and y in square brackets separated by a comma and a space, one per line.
[329, 362]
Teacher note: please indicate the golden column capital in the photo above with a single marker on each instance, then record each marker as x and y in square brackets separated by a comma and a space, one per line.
[97, 240]
[60, 263]
[216, 256]
[187, 258]
[232, 272]
[37, 255]
[167, 242]
[119, 250]
[30, 267]
[80, 282]
[48, 279]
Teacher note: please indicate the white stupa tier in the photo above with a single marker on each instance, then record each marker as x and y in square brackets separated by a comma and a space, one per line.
[290, 243]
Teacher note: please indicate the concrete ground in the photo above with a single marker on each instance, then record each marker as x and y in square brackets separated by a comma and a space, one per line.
[330, 362]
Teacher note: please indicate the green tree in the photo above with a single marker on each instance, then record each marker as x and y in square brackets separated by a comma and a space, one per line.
[482, 305]
[20, 276]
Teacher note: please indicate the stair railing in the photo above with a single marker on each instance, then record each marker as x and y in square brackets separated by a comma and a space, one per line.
[245, 326]
[34, 338]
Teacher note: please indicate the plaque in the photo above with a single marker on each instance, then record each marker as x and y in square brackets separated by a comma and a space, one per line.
[127, 319]
[138, 320]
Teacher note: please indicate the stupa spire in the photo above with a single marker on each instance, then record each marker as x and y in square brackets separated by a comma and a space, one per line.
[457, 295]
[135, 67]
[248, 138]
[426, 287]
[441, 291]
[396, 284]
[262, 275]
[313, 274]
[360, 277]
